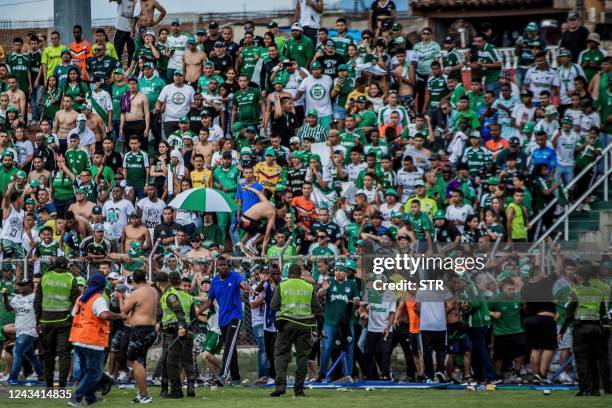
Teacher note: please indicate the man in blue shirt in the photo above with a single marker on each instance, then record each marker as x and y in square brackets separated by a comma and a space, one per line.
[544, 154]
[246, 199]
[225, 289]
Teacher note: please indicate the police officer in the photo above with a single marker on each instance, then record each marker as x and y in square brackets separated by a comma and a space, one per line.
[587, 310]
[177, 314]
[53, 302]
[298, 314]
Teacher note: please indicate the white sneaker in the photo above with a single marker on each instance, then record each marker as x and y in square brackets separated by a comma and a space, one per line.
[564, 378]
[122, 376]
[270, 381]
[586, 206]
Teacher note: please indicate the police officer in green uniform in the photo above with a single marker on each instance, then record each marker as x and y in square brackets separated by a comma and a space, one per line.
[298, 314]
[53, 303]
[587, 310]
[177, 314]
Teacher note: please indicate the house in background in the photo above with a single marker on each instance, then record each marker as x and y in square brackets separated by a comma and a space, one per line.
[507, 18]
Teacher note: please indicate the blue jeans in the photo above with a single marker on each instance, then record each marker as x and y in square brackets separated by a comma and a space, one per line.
[493, 86]
[36, 98]
[481, 360]
[328, 345]
[92, 365]
[24, 348]
[566, 173]
[262, 359]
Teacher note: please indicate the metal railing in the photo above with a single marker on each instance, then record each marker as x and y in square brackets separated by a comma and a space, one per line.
[565, 216]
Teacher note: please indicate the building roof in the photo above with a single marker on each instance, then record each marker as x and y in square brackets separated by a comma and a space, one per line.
[476, 4]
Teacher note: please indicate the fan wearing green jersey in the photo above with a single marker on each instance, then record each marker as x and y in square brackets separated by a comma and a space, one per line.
[19, 64]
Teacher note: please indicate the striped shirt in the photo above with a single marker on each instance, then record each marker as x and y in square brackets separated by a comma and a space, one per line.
[318, 133]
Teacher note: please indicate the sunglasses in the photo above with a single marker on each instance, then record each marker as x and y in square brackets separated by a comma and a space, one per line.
[321, 236]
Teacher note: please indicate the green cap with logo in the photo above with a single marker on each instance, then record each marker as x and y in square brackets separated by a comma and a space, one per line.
[528, 127]
[184, 119]
[312, 112]
[315, 64]
[270, 152]
[439, 215]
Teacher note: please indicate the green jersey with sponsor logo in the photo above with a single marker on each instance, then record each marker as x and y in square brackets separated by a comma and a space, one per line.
[151, 88]
[20, 68]
[247, 104]
[337, 299]
[137, 165]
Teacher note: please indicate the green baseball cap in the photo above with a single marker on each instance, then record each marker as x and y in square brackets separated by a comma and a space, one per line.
[361, 99]
[565, 53]
[280, 187]
[209, 63]
[237, 126]
[35, 183]
[505, 274]
[340, 265]
[439, 215]
[12, 108]
[396, 214]
[7, 153]
[21, 174]
[396, 26]
[391, 191]
[350, 265]
[312, 112]
[251, 128]
[475, 133]
[176, 21]
[81, 281]
[269, 152]
[419, 183]
[29, 200]
[531, 27]
[192, 41]
[179, 72]
[528, 127]
[184, 119]
[342, 67]
[278, 80]
[493, 181]
[315, 64]
[246, 150]
[567, 120]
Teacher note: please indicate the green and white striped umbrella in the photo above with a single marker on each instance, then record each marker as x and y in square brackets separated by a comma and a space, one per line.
[204, 200]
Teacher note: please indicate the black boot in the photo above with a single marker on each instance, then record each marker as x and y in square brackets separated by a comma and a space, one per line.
[191, 388]
[277, 393]
[299, 392]
[582, 393]
[164, 391]
[176, 394]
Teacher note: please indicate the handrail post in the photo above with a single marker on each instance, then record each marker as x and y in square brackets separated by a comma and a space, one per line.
[150, 266]
[566, 224]
[606, 167]
[542, 257]
[25, 269]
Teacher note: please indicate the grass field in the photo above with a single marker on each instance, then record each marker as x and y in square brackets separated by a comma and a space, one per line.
[250, 397]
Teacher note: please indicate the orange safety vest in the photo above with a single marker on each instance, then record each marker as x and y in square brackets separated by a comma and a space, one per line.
[413, 317]
[87, 328]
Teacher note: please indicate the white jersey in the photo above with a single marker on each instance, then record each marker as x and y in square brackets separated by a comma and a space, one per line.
[317, 94]
[12, 226]
[125, 10]
[540, 80]
[565, 80]
[177, 44]
[177, 101]
[116, 214]
[406, 180]
[151, 212]
[352, 170]
[566, 148]
[309, 17]
[454, 213]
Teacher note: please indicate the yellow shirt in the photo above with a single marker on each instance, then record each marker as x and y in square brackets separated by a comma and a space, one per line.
[51, 224]
[428, 205]
[201, 178]
[52, 57]
[353, 97]
[267, 176]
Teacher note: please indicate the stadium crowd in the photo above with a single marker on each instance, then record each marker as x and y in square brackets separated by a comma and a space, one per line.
[333, 148]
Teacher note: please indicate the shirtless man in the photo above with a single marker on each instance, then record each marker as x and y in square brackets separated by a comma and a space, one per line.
[38, 172]
[135, 231]
[147, 15]
[82, 207]
[204, 147]
[17, 97]
[194, 60]
[197, 250]
[137, 120]
[251, 221]
[96, 125]
[65, 121]
[404, 76]
[141, 308]
[78, 224]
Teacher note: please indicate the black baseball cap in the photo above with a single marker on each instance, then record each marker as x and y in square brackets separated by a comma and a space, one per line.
[515, 141]
[96, 210]
[449, 40]
[272, 24]
[213, 24]
[219, 44]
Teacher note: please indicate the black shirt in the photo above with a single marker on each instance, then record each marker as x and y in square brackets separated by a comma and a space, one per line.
[114, 161]
[285, 126]
[195, 120]
[231, 48]
[574, 41]
[377, 10]
[331, 63]
[538, 296]
[48, 157]
[266, 72]
[257, 41]
[164, 230]
[222, 63]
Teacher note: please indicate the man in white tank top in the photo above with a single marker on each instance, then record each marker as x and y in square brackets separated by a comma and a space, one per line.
[12, 223]
[308, 14]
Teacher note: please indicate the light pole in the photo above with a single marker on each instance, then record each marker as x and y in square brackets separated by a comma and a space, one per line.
[67, 14]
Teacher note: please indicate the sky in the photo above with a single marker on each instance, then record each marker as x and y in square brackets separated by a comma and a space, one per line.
[40, 9]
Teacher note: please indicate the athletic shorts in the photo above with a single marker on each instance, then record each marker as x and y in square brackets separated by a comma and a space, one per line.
[213, 343]
[540, 332]
[141, 340]
[115, 340]
[251, 226]
[12, 250]
[567, 340]
[509, 346]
